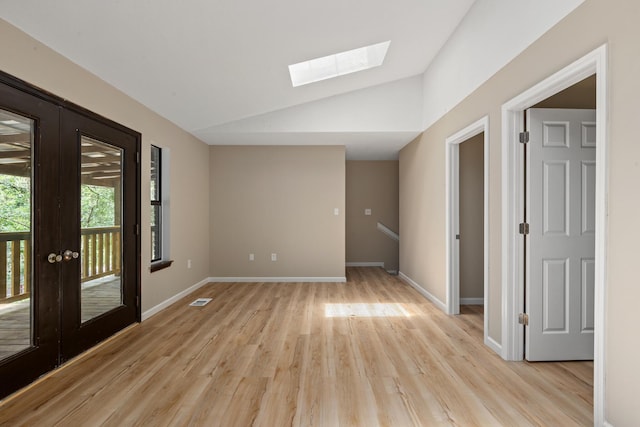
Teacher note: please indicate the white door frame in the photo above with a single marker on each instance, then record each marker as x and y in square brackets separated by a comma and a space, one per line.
[512, 210]
[452, 150]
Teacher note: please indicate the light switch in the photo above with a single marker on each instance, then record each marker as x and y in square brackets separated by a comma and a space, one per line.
[367, 212]
[336, 211]
[251, 257]
[274, 257]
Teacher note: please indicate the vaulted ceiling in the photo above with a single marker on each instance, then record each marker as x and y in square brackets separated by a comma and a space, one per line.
[219, 68]
[216, 68]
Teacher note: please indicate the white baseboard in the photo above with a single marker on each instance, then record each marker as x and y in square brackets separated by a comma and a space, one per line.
[606, 424]
[277, 279]
[471, 301]
[493, 344]
[442, 306]
[166, 303]
[365, 264]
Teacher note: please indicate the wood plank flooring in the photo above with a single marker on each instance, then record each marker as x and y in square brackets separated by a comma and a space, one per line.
[366, 353]
[98, 296]
[15, 327]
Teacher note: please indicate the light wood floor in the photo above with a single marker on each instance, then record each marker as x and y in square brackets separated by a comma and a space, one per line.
[270, 354]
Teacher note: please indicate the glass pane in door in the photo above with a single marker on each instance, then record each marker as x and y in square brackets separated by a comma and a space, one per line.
[101, 242]
[16, 310]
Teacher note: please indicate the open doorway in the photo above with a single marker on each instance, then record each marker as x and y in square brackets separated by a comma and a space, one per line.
[471, 219]
[513, 209]
[470, 228]
[467, 234]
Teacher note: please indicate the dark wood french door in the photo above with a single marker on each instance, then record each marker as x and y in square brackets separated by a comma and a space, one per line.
[69, 231]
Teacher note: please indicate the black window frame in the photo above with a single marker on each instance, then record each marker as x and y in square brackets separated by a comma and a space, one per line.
[158, 260]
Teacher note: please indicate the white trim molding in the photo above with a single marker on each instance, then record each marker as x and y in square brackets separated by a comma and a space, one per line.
[442, 306]
[452, 216]
[166, 303]
[452, 209]
[278, 279]
[512, 177]
[492, 344]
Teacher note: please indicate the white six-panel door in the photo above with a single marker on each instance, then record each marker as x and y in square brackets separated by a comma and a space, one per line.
[561, 243]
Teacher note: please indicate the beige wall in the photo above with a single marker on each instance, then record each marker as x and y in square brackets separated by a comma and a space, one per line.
[372, 185]
[277, 199]
[422, 175]
[29, 60]
[422, 181]
[472, 217]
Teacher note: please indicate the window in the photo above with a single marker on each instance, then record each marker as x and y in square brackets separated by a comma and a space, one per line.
[156, 204]
[159, 212]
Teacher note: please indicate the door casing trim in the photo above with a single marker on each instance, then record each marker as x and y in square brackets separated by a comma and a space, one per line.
[452, 217]
[594, 62]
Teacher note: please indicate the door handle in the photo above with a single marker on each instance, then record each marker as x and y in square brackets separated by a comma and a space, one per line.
[53, 258]
[68, 255]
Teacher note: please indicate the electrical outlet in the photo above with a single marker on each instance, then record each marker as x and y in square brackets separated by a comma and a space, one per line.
[367, 212]
[251, 257]
[188, 263]
[274, 257]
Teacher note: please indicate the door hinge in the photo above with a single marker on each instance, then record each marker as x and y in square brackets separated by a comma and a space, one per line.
[524, 228]
[137, 229]
[138, 157]
[524, 137]
[523, 319]
[138, 301]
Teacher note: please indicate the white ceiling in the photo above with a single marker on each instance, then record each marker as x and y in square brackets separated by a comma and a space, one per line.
[218, 69]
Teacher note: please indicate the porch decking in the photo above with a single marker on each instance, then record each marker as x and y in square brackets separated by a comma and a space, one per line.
[100, 272]
[14, 327]
[98, 296]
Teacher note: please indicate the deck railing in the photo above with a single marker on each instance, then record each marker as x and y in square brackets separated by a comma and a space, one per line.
[99, 257]
[100, 252]
[15, 267]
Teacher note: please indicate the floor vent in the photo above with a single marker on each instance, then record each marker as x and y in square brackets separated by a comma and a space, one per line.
[200, 302]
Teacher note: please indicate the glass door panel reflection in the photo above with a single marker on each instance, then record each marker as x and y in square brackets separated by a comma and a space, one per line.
[16, 309]
[101, 241]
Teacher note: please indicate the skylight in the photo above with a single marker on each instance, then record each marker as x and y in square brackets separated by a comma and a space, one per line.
[338, 64]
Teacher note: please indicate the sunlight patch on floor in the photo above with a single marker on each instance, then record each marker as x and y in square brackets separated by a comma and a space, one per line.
[366, 310]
